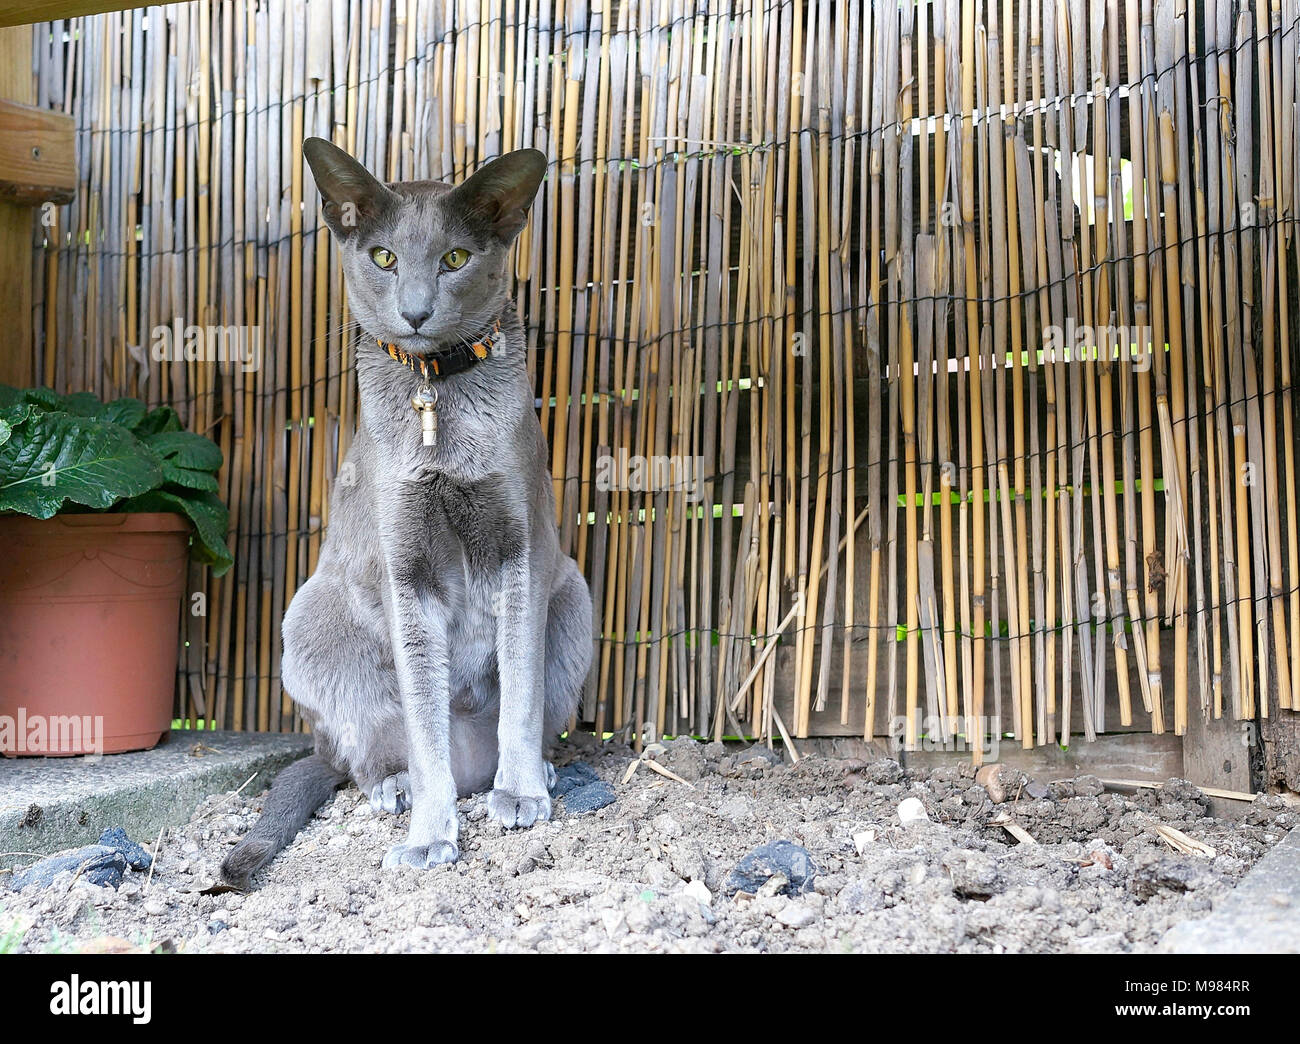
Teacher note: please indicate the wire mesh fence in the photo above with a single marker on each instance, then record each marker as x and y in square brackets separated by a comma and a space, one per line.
[920, 368]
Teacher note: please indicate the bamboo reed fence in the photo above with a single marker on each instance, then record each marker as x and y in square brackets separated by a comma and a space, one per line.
[967, 327]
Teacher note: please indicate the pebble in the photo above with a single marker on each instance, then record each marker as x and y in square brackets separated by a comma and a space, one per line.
[639, 916]
[796, 915]
[975, 875]
[97, 865]
[910, 810]
[667, 826]
[776, 858]
[531, 934]
[572, 777]
[589, 797]
[155, 907]
[614, 922]
[136, 857]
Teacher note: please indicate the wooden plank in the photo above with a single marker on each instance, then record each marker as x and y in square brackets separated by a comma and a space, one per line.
[16, 223]
[23, 12]
[37, 155]
[1134, 756]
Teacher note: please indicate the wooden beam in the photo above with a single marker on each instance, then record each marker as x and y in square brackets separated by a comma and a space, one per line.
[24, 12]
[1131, 755]
[37, 155]
[16, 227]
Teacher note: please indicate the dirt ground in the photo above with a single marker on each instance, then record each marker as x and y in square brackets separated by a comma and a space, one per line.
[649, 872]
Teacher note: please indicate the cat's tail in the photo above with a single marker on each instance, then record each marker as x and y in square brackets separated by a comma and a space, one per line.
[298, 791]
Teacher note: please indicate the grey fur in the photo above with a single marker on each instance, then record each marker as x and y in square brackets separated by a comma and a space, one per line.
[444, 637]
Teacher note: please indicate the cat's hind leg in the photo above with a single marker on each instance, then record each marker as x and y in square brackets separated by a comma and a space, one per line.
[392, 794]
[338, 667]
[338, 670]
[568, 650]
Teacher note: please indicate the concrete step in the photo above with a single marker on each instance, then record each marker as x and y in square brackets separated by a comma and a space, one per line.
[49, 804]
[1260, 915]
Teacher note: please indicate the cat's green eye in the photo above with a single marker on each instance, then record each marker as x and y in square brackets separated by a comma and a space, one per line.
[383, 257]
[454, 259]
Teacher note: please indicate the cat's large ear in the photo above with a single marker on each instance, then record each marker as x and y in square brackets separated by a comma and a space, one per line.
[500, 193]
[350, 195]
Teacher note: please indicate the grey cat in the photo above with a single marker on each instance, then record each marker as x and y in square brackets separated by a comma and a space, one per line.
[444, 637]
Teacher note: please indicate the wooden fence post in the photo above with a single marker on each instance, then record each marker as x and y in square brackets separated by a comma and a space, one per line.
[37, 165]
[16, 226]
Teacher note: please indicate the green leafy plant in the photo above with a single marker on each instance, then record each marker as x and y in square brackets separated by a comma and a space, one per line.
[61, 453]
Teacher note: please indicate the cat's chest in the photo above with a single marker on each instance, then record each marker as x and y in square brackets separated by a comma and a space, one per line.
[483, 518]
[452, 538]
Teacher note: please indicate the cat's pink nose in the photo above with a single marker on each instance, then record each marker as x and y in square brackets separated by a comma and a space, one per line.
[416, 319]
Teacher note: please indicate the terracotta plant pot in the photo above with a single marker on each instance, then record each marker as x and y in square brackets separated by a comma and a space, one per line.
[89, 625]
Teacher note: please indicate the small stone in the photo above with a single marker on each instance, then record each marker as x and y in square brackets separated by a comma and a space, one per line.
[572, 777]
[136, 857]
[791, 861]
[1155, 873]
[667, 826]
[155, 907]
[773, 886]
[796, 915]
[615, 922]
[1180, 790]
[1001, 782]
[1087, 786]
[910, 810]
[589, 798]
[98, 865]
[531, 934]
[757, 754]
[863, 839]
[698, 891]
[639, 916]
[975, 875]
[860, 897]
[1101, 855]
[883, 772]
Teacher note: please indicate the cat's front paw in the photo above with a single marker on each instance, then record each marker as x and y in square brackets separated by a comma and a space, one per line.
[515, 810]
[393, 795]
[421, 856]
